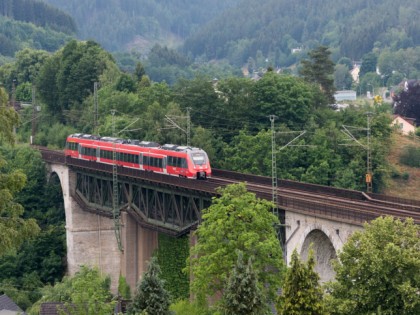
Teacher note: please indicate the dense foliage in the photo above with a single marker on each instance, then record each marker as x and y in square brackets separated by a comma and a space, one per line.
[171, 257]
[378, 270]
[237, 220]
[40, 260]
[138, 23]
[407, 100]
[87, 292]
[273, 28]
[38, 13]
[301, 292]
[242, 295]
[17, 35]
[151, 297]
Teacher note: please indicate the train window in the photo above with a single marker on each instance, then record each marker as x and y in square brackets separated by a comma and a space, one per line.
[88, 151]
[183, 162]
[198, 158]
[72, 146]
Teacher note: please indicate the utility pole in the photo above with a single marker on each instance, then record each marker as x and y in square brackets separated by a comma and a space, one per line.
[188, 126]
[115, 203]
[367, 147]
[95, 108]
[369, 157]
[273, 167]
[13, 104]
[33, 129]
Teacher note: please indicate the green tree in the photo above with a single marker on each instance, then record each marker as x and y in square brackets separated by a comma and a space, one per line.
[407, 101]
[86, 293]
[236, 220]
[289, 97]
[151, 297]
[378, 268]
[14, 229]
[320, 69]
[369, 62]
[301, 294]
[342, 77]
[242, 295]
[68, 77]
[123, 288]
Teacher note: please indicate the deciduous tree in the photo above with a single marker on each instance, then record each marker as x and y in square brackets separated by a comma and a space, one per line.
[407, 101]
[236, 220]
[378, 269]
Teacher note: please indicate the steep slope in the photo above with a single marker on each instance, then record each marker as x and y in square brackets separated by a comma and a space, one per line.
[400, 185]
[118, 24]
[274, 27]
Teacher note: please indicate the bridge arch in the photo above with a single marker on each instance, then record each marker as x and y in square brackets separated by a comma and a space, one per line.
[324, 244]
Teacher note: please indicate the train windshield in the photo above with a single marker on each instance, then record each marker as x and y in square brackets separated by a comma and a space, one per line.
[198, 158]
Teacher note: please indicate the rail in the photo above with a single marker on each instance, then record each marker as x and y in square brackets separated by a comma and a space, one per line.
[333, 203]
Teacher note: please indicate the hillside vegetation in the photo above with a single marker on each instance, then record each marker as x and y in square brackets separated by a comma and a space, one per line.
[274, 27]
[240, 29]
[405, 180]
[121, 24]
[32, 24]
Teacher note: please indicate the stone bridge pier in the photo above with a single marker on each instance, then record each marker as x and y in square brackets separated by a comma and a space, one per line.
[325, 237]
[91, 237]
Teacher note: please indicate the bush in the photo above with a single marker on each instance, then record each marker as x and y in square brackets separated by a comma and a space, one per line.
[184, 307]
[410, 156]
[405, 176]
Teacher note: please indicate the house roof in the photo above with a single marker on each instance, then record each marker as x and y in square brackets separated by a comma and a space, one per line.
[51, 308]
[7, 304]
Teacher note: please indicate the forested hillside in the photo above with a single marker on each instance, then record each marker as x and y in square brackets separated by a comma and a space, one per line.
[29, 23]
[260, 33]
[274, 27]
[121, 24]
[38, 13]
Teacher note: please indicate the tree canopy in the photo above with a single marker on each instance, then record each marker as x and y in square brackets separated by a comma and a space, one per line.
[236, 220]
[319, 68]
[301, 292]
[151, 297]
[407, 100]
[378, 270]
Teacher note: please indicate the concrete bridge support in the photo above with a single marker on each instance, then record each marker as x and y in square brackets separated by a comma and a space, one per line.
[91, 238]
[325, 237]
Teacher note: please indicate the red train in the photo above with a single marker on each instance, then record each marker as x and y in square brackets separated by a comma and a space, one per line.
[168, 159]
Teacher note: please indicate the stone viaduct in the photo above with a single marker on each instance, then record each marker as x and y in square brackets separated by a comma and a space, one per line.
[91, 238]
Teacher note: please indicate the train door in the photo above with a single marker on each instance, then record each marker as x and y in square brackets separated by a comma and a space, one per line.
[164, 163]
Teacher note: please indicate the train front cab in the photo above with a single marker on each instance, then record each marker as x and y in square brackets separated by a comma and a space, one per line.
[200, 165]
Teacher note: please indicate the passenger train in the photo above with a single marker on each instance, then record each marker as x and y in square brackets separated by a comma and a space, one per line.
[182, 161]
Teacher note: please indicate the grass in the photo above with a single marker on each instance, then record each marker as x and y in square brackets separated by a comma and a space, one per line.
[399, 186]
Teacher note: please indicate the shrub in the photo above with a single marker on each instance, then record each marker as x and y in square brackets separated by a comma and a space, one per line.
[410, 156]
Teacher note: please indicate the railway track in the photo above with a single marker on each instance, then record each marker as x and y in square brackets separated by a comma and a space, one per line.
[368, 207]
[324, 201]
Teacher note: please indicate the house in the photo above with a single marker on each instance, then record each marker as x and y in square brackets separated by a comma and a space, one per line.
[346, 95]
[8, 307]
[404, 124]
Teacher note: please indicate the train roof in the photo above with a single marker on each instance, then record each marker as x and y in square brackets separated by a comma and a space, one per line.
[146, 144]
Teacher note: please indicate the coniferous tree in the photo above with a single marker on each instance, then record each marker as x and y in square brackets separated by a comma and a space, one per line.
[242, 295]
[320, 69]
[151, 297]
[301, 294]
